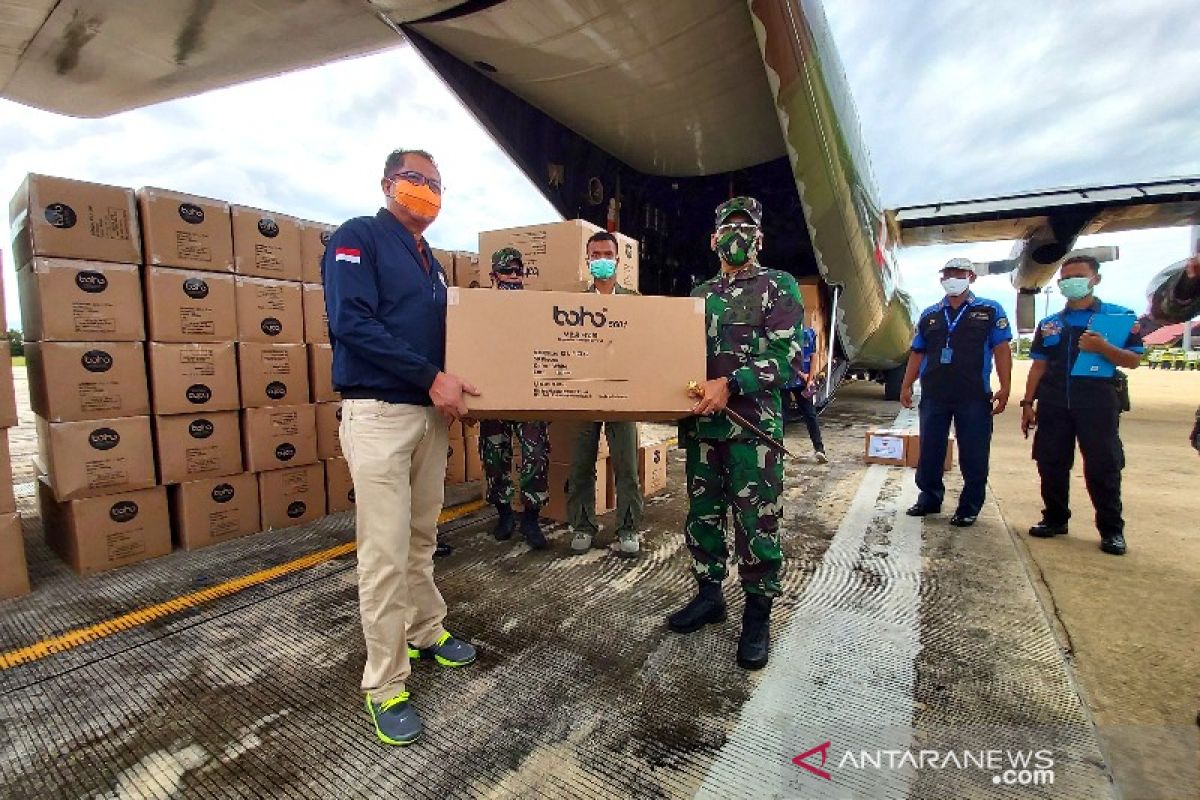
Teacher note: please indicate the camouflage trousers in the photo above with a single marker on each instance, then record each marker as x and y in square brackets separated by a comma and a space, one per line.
[496, 451]
[744, 477]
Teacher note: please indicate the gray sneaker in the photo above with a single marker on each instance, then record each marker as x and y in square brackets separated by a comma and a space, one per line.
[821, 457]
[582, 542]
[627, 545]
[448, 651]
[396, 721]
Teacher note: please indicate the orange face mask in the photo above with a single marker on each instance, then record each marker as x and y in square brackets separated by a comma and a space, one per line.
[420, 200]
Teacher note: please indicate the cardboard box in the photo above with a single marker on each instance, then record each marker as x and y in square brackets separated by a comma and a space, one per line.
[456, 462]
[339, 486]
[182, 230]
[63, 218]
[555, 255]
[576, 356]
[885, 446]
[87, 380]
[445, 259]
[474, 457]
[456, 430]
[8, 393]
[265, 244]
[313, 238]
[188, 378]
[214, 510]
[316, 321]
[652, 468]
[329, 422]
[194, 446]
[103, 456]
[275, 437]
[101, 533]
[291, 496]
[272, 374]
[912, 450]
[190, 306]
[80, 301]
[467, 271]
[269, 311]
[8, 497]
[320, 374]
[14, 574]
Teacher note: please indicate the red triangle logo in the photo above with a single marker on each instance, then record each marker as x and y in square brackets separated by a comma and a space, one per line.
[823, 749]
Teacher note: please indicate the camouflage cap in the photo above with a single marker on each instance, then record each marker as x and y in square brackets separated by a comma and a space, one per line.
[740, 205]
[503, 258]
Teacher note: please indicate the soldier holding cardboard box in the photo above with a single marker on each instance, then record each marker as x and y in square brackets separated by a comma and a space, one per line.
[603, 261]
[752, 315]
[496, 442]
[385, 297]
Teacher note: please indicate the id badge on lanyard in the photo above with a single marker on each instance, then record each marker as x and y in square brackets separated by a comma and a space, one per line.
[948, 351]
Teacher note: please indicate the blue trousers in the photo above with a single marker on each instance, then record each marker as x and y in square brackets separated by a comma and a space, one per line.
[973, 426]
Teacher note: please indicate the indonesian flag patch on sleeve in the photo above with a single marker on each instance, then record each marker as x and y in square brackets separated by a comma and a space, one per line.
[347, 254]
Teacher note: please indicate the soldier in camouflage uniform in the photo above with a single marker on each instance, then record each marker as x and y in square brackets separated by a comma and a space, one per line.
[753, 316]
[496, 442]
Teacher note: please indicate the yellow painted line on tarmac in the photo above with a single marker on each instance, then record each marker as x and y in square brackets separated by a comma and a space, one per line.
[134, 619]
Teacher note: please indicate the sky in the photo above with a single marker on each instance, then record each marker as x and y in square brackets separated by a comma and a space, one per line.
[956, 100]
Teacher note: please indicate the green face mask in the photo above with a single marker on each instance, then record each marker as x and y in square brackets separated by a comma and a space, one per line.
[736, 248]
[1075, 288]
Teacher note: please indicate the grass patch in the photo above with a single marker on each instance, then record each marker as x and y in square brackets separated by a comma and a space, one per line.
[18, 361]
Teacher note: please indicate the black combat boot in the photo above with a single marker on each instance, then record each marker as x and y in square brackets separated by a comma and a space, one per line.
[505, 524]
[755, 641]
[531, 530]
[708, 606]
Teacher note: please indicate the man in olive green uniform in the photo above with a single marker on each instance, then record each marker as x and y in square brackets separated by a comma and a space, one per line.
[753, 315]
[496, 442]
[603, 258]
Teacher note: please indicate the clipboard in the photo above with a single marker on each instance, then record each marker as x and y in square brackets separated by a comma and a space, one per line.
[1115, 328]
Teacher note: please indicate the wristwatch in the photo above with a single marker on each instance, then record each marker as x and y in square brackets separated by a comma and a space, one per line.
[1027, 403]
[733, 385]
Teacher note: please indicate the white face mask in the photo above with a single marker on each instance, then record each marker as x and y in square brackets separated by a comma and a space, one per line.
[955, 286]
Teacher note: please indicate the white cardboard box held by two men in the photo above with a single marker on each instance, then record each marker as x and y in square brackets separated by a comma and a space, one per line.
[566, 355]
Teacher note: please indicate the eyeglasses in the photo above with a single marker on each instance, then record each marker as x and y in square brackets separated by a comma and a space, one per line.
[509, 271]
[417, 179]
[747, 228]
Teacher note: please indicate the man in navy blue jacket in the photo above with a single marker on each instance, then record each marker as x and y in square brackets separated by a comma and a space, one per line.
[385, 295]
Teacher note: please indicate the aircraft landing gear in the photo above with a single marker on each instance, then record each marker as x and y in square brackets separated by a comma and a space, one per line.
[892, 379]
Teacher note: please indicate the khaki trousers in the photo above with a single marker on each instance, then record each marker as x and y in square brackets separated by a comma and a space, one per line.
[397, 459]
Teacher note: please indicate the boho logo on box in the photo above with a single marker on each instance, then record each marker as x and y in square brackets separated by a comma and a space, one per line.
[91, 282]
[104, 439]
[223, 493]
[200, 428]
[123, 511]
[195, 288]
[60, 215]
[271, 326]
[191, 214]
[296, 509]
[198, 393]
[276, 390]
[570, 318]
[268, 227]
[96, 361]
[285, 451]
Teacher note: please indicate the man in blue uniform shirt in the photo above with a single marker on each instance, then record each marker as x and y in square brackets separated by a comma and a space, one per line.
[952, 353]
[1065, 407]
[385, 295]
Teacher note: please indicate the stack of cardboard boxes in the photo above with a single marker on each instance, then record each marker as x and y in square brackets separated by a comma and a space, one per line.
[179, 363]
[78, 246]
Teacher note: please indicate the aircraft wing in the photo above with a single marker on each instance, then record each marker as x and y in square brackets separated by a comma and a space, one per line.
[92, 58]
[1065, 213]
